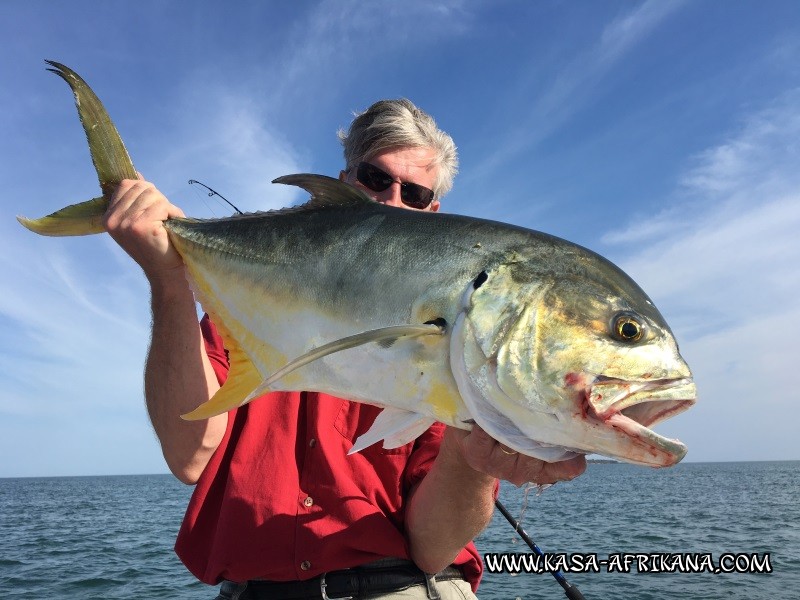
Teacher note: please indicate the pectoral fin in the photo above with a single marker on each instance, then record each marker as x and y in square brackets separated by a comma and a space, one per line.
[382, 335]
[243, 385]
[395, 426]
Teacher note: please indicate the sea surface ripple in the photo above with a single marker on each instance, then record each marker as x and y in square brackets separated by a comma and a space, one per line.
[112, 537]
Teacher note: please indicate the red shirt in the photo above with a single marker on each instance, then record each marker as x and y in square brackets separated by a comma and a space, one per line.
[281, 500]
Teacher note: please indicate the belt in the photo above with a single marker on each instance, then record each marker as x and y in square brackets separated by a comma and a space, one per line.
[347, 584]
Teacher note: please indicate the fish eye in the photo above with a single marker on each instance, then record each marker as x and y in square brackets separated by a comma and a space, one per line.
[627, 327]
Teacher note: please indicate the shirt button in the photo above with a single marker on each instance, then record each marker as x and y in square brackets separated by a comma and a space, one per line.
[312, 442]
[308, 501]
[305, 565]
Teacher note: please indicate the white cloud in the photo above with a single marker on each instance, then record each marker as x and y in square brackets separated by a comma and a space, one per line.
[573, 87]
[233, 139]
[339, 42]
[723, 267]
[227, 142]
[75, 319]
[761, 159]
[59, 316]
[626, 31]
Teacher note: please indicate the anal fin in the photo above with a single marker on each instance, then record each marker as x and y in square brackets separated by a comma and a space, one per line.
[242, 379]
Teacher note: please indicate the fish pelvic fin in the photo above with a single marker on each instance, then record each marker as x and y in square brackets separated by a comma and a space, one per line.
[243, 377]
[396, 427]
[110, 158]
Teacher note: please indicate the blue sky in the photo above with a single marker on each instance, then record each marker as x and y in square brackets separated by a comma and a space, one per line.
[664, 135]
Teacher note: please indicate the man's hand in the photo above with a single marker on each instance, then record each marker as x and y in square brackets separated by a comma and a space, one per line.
[485, 454]
[135, 219]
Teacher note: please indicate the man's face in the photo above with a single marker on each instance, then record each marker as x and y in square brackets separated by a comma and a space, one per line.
[405, 165]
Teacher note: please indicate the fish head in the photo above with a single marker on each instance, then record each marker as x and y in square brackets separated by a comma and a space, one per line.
[581, 361]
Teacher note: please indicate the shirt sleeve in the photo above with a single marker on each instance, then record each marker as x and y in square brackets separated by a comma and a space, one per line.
[424, 452]
[215, 349]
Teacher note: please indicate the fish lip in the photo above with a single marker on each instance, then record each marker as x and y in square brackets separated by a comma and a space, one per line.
[635, 405]
[607, 396]
[665, 451]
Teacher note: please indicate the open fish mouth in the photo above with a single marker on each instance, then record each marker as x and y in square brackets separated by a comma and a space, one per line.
[632, 407]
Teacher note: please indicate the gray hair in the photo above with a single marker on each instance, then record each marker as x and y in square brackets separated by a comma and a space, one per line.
[399, 124]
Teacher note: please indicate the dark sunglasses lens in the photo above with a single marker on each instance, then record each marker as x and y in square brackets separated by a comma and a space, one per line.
[415, 195]
[412, 194]
[372, 177]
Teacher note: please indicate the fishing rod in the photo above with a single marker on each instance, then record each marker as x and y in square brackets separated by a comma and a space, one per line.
[571, 591]
[215, 193]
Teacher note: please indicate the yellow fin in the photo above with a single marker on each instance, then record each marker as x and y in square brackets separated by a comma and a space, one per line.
[84, 218]
[243, 378]
[109, 156]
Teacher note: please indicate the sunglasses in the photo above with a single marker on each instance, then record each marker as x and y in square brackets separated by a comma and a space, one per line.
[412, 194]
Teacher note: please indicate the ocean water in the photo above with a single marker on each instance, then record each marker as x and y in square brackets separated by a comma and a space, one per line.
[112, 537]
[717, 508]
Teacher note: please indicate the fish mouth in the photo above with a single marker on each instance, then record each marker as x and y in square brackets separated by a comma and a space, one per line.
[633, 406]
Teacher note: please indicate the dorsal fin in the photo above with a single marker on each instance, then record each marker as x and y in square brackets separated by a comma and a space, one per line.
[326, 191]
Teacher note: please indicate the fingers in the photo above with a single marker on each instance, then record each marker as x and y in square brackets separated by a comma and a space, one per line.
[135, 201]
[136, 210]
[485, 450]
[540, 472]
[484, 453]
[135, 217]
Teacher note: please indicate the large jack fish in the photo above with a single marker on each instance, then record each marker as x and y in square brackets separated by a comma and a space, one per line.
[549, 347]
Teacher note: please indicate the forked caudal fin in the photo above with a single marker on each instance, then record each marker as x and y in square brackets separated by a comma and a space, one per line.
[110, 158]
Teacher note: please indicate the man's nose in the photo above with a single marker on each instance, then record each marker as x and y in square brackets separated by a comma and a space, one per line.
[391, 195]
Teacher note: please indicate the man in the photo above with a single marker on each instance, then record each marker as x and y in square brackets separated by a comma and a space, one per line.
[280, 510]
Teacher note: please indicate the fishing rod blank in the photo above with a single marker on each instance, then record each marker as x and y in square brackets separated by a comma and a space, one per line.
[215, 193]
[572, 592]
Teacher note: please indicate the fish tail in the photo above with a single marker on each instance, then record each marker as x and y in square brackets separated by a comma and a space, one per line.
[110, 158]
[84, 218]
